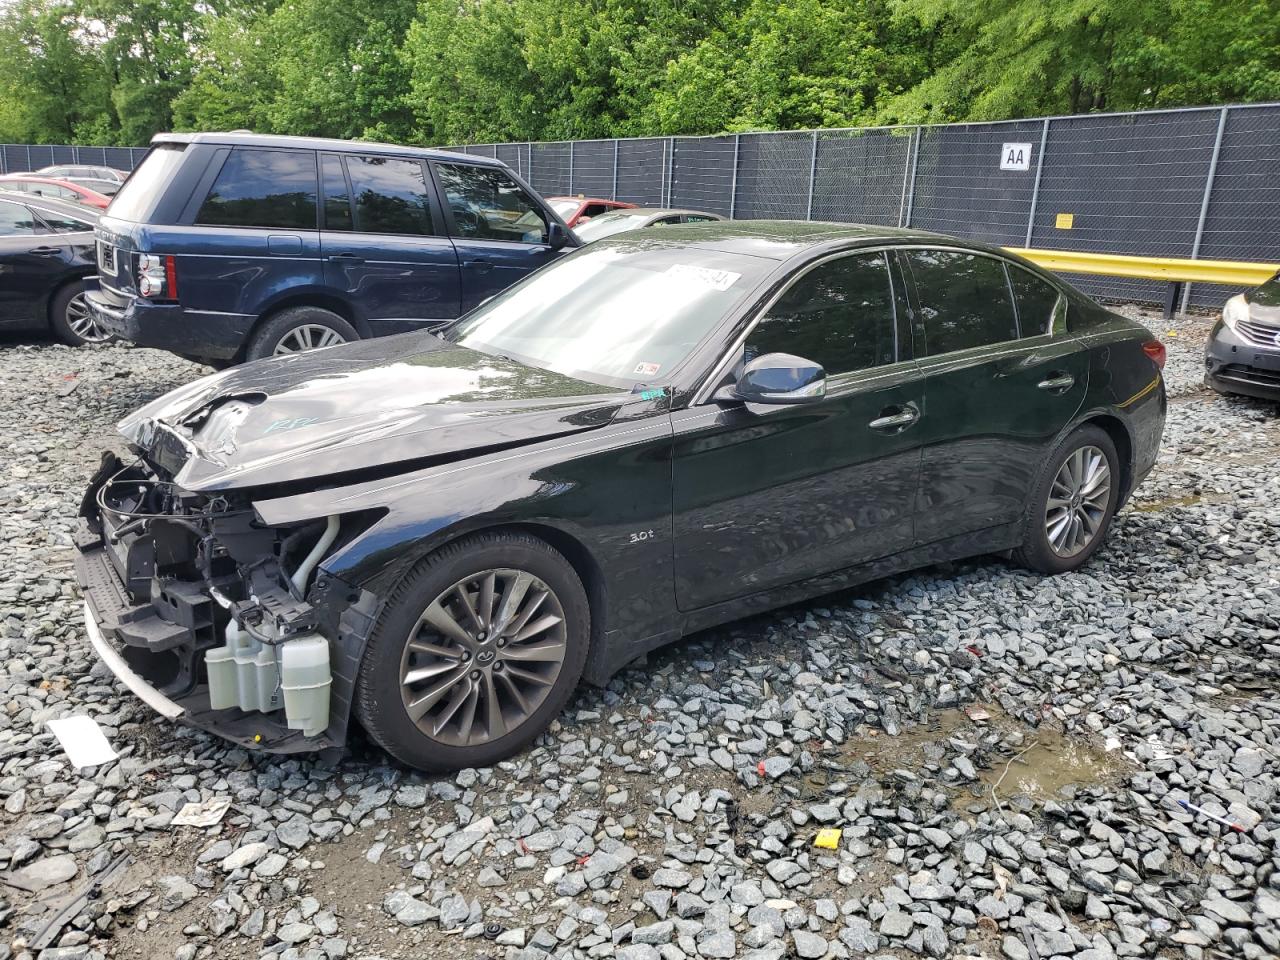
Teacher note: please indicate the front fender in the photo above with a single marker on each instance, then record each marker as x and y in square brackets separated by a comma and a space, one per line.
[607, 490]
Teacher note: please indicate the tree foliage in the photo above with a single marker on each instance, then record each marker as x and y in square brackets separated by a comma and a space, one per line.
[446, 71]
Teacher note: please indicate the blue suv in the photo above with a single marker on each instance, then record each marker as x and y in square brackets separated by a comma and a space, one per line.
[225, 247]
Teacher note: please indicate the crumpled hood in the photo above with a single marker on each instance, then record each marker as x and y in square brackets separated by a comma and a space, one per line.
[411, 398]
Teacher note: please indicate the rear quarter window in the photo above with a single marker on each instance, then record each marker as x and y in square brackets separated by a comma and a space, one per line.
[263, 188]
[1037, 301]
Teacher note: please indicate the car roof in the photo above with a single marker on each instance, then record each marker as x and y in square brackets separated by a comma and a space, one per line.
[241, 139]
[780, 239]
[52, 205]
[578, 199]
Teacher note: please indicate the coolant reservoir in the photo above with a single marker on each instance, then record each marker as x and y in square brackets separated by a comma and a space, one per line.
[243, 673]
[305, 680]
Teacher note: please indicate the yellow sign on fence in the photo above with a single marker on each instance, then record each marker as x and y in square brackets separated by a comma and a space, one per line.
[1065, 221]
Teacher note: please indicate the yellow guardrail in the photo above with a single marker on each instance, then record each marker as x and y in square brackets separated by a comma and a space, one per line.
[1232, 273]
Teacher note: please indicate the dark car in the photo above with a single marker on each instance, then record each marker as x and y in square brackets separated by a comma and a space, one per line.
[54, 189]
[224, 247]
[663, 431]
[619, 221]
[1243, 352]
[576, 210]
[46, 251]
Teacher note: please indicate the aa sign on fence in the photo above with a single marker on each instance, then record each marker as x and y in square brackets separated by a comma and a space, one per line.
[1015, 156]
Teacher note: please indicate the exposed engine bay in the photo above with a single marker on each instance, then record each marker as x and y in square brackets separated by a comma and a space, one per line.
[221, 615]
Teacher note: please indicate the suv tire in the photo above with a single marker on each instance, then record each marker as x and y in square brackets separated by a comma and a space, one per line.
[293, 328]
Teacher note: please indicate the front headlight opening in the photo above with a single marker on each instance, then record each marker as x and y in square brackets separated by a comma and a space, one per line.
[1235, 310]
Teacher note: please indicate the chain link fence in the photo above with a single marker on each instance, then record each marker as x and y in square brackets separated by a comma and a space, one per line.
[1201, 183]
[24, 157]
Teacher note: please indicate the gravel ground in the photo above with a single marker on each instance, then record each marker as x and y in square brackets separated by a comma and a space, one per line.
[1002, 753]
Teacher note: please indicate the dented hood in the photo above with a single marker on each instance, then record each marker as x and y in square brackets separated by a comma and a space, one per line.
[410, 399]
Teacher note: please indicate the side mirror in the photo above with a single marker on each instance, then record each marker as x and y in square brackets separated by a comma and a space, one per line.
[557, 236]
[778, 378]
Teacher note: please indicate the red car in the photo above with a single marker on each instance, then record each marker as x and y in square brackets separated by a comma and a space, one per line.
[574, 210]
[58, 189]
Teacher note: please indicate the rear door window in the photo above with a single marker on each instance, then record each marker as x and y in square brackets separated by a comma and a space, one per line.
[840, 314]
[262, 188]
[391, 196]
[61, 223]
[487, 204]
[1037, 301]
[16, 220]
[964, 300]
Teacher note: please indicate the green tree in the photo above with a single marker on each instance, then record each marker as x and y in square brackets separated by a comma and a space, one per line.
[796, 64]
[50, 84]
[1026, 57]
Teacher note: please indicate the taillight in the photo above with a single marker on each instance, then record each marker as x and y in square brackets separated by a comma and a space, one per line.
[1156, 351]
[157, 277]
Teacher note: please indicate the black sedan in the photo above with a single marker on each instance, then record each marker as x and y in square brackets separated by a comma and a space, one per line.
[663, 431]
[46, 251]
[1243, 352]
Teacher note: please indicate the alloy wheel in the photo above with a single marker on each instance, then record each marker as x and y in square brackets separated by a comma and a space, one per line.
[1078, 500]
[82, 323]
[308, 336]
[482, 657]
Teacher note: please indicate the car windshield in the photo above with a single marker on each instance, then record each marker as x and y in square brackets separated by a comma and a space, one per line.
[565, 208]
[607, 224]
[616, 314]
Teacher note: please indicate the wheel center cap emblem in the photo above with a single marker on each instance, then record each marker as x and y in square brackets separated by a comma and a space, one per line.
[485, 656]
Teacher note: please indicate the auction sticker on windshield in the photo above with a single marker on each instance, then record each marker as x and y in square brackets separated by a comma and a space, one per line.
[715, 279]
[647, 369]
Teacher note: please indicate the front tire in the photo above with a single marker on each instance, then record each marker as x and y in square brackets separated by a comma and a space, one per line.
[296, 329]
[475, 653]
[70, 317]
[1073, 503]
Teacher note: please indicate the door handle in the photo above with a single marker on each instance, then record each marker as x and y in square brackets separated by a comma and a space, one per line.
[890, 422]
[346, 257]
[1057, 383]
[45, 251]
[480, 264]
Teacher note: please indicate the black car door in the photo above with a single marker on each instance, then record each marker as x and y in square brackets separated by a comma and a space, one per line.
[995, 395]
[500, 231]
[769, 495]
[32, 258]
[384, 243]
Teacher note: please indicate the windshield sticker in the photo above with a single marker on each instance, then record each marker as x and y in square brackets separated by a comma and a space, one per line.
[715, 279]
[647, 369]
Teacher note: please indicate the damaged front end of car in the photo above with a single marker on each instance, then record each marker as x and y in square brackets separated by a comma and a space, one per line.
[215, 618]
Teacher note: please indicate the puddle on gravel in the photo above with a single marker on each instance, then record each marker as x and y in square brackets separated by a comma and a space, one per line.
[1164, 503]
[1053, 760]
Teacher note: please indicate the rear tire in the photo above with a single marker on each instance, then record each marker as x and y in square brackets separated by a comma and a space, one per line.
[440, 689]
[1072, 504]
[299, 328]
[70, 319]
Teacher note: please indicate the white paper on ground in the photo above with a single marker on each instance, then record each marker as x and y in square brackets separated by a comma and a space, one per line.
[204, 814]
[83, 740]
